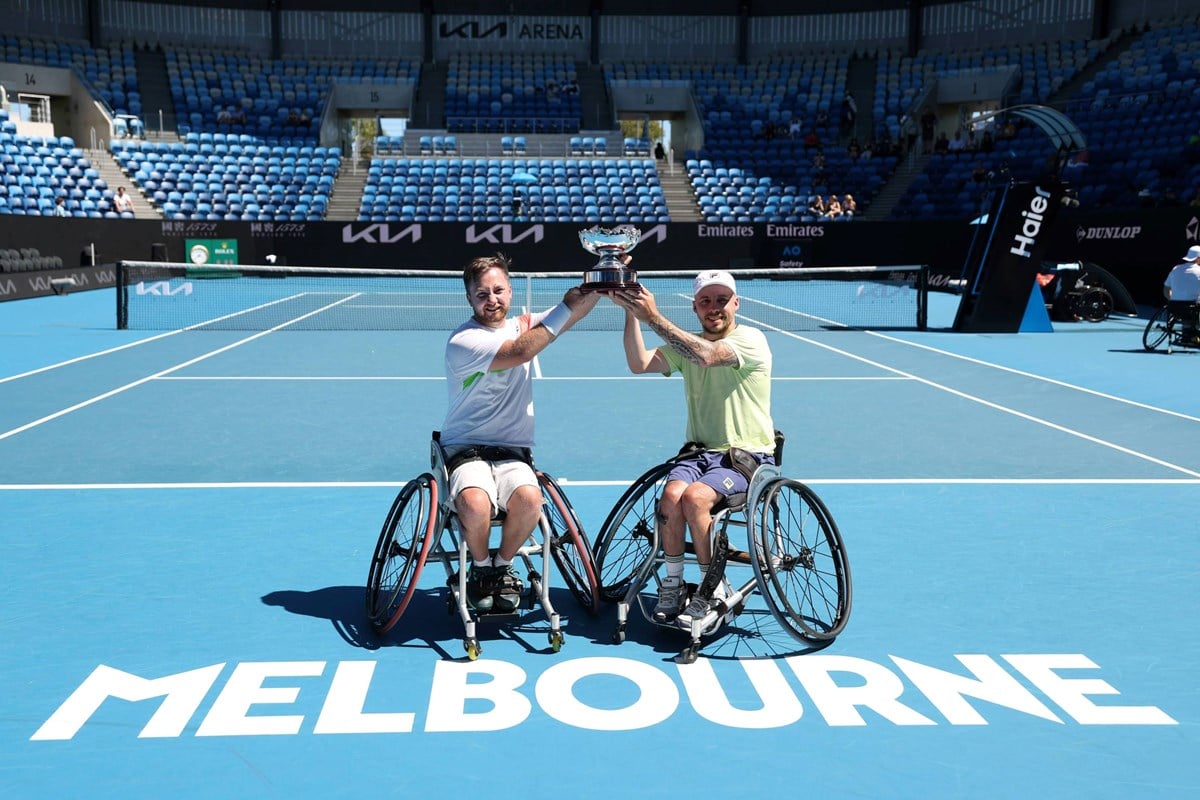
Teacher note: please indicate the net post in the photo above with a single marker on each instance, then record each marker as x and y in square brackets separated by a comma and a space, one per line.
[122, 298]
[922, 297]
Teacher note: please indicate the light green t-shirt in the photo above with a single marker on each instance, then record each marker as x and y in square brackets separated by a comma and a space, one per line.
[730, 406]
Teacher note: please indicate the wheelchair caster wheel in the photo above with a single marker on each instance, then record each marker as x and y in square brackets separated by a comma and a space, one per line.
[689, 655]
[473, 649]
[556, 640]
[618, 635]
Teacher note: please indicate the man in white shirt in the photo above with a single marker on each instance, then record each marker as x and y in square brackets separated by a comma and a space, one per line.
[1182, 290]
[488, 430]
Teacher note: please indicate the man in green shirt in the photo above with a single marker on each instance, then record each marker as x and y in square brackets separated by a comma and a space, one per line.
[727, 382]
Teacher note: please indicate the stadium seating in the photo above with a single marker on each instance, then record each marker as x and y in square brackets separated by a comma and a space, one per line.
[483, 190]
[37, 170]
[500, 93]
[277, 102]
[218, 176]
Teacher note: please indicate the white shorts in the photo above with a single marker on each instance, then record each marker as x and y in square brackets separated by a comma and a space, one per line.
[498, 478]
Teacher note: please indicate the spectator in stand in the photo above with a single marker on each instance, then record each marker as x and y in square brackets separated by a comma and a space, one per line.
[833, 210]
[942, 145]
[60, 207]
[979, 174]
[794, 128]
[849, 205]
[659, 153]
[122, 203]
[849, 113]
[928, 129]
[812, 140]
[817, 207]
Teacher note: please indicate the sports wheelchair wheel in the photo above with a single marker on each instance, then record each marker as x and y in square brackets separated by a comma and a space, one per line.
[800, 561]
[569, 546]
[404, 544]
[626, 539]
[1093, 304]
[1158, 329]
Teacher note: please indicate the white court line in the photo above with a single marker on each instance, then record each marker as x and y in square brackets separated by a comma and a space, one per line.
[77, 359]
[544, 378]
[988, 403]
[156, 337]
[1035, 376]
[161, 373]
[71, 487]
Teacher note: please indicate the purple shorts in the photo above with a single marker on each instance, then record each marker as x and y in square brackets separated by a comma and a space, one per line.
[714, 470]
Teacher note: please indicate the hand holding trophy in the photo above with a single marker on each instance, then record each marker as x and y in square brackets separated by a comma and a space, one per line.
[610, 244]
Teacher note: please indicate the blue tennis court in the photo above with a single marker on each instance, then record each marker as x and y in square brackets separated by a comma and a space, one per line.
[189, 518]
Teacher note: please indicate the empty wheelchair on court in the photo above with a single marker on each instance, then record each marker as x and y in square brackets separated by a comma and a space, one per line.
[794, 557]
[422, 525]
[1175, 326]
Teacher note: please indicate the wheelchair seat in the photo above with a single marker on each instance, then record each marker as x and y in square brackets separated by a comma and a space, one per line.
[423, 524]
[794, 553]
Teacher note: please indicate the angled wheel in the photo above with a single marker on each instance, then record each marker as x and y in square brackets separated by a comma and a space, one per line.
[1095, 304]
[800, 561]
[1157, 329]
[404, 544]
[569, 546]
[627, 536]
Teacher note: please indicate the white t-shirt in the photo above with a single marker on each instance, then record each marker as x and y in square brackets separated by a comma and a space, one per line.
[1184, 281]
[488, 407]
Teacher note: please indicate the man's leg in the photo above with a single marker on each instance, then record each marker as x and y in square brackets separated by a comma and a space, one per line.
[522, 503]
[672, 594]
[473, 506]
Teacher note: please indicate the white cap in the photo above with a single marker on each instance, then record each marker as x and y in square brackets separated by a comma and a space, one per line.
[713, 277]
[1193, 253]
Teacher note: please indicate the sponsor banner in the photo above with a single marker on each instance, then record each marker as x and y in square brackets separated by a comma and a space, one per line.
[1138, 246]
[211, 251]
[20, 285]
[1006, 257]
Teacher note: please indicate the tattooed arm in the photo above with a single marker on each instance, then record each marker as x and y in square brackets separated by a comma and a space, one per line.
[641, 307]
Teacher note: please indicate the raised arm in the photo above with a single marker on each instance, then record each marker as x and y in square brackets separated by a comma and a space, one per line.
[534, 339]
[641, 306]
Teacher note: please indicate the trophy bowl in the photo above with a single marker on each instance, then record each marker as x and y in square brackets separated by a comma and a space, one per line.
[610, 244]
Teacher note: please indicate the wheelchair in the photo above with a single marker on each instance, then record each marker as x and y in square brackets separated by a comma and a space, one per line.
[422, 525]
[795, 557]
[1081, 299]
[1175, 324]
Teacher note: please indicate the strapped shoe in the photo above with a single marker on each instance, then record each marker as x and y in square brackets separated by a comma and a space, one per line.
[508, 589]
[481, 586]
[672, 594]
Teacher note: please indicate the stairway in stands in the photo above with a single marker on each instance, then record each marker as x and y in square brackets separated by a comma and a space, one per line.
[347, 193]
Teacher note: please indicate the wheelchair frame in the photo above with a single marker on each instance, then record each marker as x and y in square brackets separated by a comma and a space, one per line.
[422, 524]
[628, 556]
[1168, 326]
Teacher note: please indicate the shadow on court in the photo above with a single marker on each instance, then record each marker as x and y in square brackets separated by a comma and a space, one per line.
[428, 622]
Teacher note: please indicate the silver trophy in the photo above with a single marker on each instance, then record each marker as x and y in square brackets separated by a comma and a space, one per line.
[610, 244]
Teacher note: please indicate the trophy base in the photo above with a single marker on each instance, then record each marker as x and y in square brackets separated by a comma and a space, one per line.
[601, 280]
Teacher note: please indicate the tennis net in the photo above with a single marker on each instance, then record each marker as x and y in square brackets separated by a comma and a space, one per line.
[168, 296]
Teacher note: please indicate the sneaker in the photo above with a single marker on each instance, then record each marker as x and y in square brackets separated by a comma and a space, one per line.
[508, 589]
[672, 594]
[699, 607]
[481, 585]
